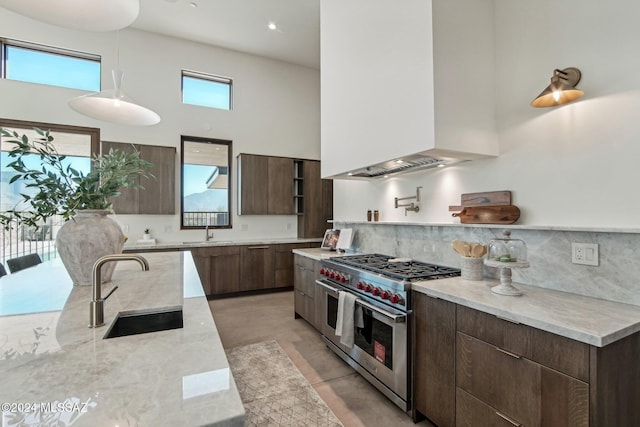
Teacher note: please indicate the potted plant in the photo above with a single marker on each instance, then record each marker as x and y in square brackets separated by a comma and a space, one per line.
[147, 234]
[59, 189]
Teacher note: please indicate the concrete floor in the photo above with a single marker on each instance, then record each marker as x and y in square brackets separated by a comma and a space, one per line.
[256, 318]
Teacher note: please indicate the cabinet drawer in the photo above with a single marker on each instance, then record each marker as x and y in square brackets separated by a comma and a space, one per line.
[472, 412]
[562, 354]
[305, 262]
[216, 251]
[518, 388]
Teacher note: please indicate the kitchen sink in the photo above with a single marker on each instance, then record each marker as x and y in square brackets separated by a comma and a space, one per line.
[145, 321]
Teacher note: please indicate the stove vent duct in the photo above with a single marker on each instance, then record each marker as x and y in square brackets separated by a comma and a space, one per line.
[405, 164]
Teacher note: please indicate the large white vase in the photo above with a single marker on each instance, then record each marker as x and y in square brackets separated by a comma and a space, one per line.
[85, 238]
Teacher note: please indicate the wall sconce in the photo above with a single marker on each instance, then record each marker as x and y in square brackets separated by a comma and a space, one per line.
[561, 90]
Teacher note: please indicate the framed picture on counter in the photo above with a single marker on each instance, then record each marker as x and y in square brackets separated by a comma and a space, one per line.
[330, 240]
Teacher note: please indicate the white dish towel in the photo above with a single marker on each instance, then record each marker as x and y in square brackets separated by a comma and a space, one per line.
[347, 315]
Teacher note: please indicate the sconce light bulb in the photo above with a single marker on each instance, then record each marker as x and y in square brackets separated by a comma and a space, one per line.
[556, 95]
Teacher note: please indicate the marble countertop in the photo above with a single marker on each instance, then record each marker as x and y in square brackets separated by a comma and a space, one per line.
[134, 246]
[590, 320]
[317, 253]
[57, 371]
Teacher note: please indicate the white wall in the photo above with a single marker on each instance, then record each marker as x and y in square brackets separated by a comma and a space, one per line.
[576, 165]
[276, 107]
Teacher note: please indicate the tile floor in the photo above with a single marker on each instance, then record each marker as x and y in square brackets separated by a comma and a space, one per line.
[256, 318]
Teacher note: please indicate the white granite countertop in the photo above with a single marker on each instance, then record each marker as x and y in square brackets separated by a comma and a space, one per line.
[590, 320]
[317, 253]
[134, 246]
[48, 355]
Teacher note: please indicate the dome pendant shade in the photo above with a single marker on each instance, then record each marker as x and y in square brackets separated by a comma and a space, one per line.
[86, 15]
[114, 106]
[561, 90]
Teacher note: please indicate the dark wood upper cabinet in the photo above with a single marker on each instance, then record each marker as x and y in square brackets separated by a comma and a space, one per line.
[265, 185]
[158, 195]
[316, 205]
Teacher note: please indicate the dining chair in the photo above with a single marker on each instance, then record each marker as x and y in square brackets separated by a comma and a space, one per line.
[22, 262]
[3, 272]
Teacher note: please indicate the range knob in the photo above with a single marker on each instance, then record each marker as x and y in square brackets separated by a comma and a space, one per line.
[368, 288]
[385, 295]
[396, 299]
[360, 285]
[343, 279]
[322, 271]
[332, 274]
[376, 291]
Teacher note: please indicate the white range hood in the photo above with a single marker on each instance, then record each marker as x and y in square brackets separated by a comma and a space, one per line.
[401, 101]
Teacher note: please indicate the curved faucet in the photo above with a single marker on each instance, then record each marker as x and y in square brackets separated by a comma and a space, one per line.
[96, 306]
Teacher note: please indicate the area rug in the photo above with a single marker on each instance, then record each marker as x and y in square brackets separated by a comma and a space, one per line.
[273, 391]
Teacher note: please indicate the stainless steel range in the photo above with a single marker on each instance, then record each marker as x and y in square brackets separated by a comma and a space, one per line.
[382, 285]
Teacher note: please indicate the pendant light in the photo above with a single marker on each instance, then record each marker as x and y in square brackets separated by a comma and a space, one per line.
[86, 15]
[562, 89]
[112, 105]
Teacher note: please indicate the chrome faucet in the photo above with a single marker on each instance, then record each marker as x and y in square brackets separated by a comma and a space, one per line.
[207, 236]
[96, 306]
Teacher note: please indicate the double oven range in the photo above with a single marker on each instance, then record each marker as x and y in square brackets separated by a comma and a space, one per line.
[382, 286]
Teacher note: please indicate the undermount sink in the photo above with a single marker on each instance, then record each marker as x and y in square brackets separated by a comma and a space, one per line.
[144, 321]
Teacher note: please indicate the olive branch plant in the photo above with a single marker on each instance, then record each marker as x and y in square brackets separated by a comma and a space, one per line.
[62, 189]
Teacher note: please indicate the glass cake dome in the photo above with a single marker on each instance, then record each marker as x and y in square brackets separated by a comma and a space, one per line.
[506, 253]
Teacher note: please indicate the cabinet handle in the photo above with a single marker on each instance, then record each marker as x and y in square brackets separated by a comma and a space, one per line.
[508, 320]
[258, 247]
[508, 353]
[509, 420]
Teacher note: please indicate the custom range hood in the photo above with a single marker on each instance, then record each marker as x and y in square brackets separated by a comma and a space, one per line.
[405, 164]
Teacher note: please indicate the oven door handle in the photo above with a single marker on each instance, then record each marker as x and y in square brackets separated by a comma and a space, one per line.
[327, 287]
[395, 318]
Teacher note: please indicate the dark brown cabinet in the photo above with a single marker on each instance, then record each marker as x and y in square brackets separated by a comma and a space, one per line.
[265, 185]
[284, 186]
[285, 262]
[227, 270]
[475, 369]
[157, 195]
[315, 204]
[218, 268]
[257, 267]
[435, 375]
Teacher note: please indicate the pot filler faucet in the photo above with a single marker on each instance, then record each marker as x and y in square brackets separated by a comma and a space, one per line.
[96, 306]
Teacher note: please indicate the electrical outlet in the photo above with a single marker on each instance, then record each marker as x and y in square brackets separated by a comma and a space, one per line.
[584, 253]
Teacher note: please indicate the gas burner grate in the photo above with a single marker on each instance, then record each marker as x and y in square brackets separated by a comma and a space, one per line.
[402, 270]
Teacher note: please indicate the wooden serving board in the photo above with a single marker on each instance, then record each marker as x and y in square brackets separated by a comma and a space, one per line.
[507, 214]
[487, 198]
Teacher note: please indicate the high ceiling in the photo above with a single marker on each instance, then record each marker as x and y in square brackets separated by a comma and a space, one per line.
[241, 25]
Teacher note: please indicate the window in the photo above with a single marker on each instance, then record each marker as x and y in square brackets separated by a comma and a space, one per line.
[206, 192]
[206, 90]
[78, 144]
[33, 63]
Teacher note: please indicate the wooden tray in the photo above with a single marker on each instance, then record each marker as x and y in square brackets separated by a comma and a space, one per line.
[507, 214]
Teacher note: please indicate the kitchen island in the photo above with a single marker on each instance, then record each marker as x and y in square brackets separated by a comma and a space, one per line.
[56, 369]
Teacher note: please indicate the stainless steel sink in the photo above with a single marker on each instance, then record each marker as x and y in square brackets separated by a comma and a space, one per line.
[145, 321]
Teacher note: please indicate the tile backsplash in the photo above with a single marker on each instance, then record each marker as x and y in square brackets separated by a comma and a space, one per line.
[617, 278]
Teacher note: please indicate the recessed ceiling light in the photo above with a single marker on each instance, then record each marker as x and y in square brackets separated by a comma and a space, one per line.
[193, 4]
[441, 166]
[399, 161]
[272, 26]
